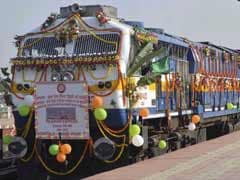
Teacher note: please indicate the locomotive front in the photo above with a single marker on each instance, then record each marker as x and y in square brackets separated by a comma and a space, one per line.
[68, 93]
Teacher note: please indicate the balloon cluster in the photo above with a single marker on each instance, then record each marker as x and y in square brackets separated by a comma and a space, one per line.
[24, 109]
[99, 113]
[195, 120]
[60, 151]
[134, 131]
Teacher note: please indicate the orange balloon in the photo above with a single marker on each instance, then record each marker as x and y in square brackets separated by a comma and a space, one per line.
[97, 102]
[144, 112]
[66, 148]
[196, 119]
[61, 157]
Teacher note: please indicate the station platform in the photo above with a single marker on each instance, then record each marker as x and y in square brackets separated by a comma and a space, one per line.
[217, 159]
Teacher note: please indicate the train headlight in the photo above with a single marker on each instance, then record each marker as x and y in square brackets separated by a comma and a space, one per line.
[56, 77]
[108, 84]
[19, 87]
[68, 76]
[100, 85]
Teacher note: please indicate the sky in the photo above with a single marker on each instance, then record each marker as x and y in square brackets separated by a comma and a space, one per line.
[217, 21]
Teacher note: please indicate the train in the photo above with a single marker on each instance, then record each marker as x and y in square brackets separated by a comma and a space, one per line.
[92, 92]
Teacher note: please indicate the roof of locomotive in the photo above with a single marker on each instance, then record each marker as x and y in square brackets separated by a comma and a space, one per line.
[87, 12]
[162, 36]
[173, 39]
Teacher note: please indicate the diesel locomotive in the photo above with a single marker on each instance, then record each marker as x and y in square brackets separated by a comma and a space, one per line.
[92, 92]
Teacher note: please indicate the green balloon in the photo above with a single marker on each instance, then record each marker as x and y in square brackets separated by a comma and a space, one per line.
[7, 139]
[53, 149]
[100, 114]
[230, 106]
[162, 144]
[134, 130]
[23, 110]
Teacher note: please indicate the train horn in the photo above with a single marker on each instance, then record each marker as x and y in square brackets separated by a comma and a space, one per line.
[75, 8]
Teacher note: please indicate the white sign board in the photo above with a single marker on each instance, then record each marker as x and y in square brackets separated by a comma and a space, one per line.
[61, 110]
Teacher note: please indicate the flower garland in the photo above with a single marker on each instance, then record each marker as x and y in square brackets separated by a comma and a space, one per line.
[67, 61]
[213, 84]
[71, 33]
[25, 160]
[117, 131]
[78, 17]
[122, 146]
[76, 60]
[113, 88]
[102, 18]
[34, 150]
[109, 71]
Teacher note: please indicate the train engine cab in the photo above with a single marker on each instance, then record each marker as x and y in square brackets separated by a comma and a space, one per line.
[68, 92]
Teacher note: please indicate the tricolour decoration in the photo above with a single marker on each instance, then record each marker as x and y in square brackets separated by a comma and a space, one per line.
[23, 110]
[196, 119]
[144, 112]
[191, 126]
[162, 144]
[60, 151]
[97, 102]
[134, 130]
[53, 149]
[100, 114]
[230, 106]
[66, 148]
[61, 158]
[28, 100]
[137, 140]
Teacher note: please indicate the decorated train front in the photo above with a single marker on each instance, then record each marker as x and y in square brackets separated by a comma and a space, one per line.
[91, 92]
[69, 93]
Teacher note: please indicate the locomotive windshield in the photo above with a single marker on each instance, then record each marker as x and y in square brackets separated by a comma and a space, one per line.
[101, 43]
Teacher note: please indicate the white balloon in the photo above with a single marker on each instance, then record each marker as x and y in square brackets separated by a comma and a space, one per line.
[28, 100]
[137, 140]
[191, 126]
